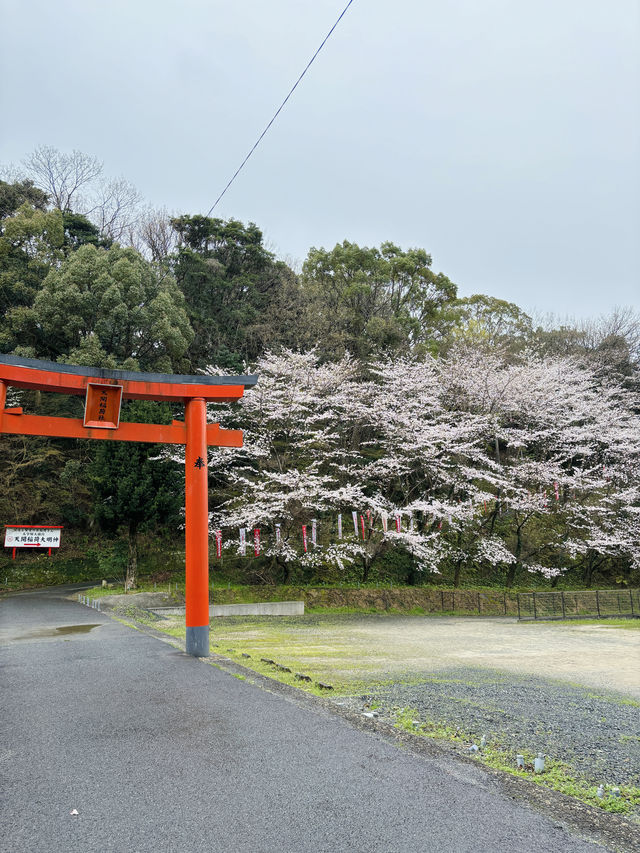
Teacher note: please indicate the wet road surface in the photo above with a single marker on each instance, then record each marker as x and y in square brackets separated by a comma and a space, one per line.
[158, 751]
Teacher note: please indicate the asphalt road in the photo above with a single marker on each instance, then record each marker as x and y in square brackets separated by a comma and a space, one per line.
[158, 751]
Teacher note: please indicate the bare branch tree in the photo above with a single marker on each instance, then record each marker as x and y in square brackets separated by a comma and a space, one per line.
[115, 208]
[622, 323]
[62, 175]
[153, 235]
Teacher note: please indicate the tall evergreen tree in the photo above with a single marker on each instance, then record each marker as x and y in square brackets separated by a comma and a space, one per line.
[239, 298]
[368, 300]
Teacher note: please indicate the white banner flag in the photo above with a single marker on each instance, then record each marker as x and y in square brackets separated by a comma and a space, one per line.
[277, 534]
[243, 541]
[339, 525]
[314, 531]
[355, 523]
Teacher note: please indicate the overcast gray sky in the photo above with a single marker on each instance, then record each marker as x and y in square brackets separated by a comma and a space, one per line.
[501, 135]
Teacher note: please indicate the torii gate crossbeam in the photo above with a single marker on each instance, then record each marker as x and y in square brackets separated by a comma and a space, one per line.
[103, 391]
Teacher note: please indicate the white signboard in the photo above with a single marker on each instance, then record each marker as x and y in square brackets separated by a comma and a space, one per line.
[32, 537]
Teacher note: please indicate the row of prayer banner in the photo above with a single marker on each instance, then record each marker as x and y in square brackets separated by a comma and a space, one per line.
[309, 533]
[361, 523]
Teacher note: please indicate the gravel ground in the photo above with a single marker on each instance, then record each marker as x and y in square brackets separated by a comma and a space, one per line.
[596, 733]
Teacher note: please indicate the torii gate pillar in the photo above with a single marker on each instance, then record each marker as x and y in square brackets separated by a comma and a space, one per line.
[103, 390]
[197, 528]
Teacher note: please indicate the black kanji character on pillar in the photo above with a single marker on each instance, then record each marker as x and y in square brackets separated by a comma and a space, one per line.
[199, 463]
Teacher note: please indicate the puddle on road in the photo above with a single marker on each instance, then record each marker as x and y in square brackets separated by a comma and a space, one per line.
[75, 629]
[41, 633]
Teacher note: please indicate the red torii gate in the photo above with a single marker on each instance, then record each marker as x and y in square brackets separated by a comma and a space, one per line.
[103, 391]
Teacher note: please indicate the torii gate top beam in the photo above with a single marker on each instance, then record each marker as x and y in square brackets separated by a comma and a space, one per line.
[33, 374]
[70, 379]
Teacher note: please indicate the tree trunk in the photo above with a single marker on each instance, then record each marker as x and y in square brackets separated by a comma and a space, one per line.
[587, 575]
[366, 565]
[132, 563]
[286, 570]
[511, 574]
[513, 567]
[494, 514]
[456, 574]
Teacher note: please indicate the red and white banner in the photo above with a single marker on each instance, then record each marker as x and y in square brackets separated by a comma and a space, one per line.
[28, 536]
[364, 524]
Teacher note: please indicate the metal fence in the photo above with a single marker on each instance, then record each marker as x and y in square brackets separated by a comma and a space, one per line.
[466, 601]
[599, 603]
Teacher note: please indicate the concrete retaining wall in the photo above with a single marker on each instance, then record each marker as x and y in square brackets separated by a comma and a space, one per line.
[259, 608]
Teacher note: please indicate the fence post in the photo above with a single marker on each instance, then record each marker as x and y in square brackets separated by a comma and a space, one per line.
[504, 603]
[598, 603]
[441, 601]
[518, 598]
[535, 612]
[631, 600]
[564, 615]
[479, 610]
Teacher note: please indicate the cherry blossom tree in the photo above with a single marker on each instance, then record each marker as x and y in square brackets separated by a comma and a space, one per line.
[472, 461]
[296, 464]
[563, 435]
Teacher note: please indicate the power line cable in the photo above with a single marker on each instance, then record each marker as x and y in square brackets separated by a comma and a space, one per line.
[278, 111]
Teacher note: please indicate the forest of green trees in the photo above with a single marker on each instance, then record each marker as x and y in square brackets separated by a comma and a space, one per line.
[463, 440]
